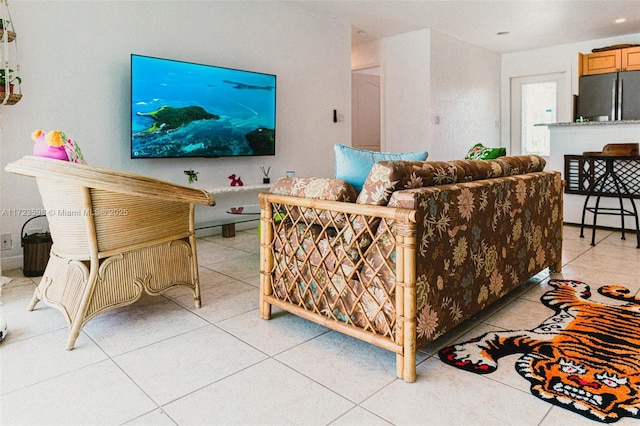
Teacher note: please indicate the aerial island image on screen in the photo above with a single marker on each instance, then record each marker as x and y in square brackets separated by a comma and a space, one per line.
[182, 109]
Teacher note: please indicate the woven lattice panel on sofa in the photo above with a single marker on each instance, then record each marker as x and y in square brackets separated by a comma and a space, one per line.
[331, 263]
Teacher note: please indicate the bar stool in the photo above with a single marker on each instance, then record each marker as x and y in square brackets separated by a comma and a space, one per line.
[611, 185]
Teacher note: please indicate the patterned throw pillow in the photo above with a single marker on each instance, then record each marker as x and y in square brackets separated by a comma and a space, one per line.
[353, 165]
[318, 188]
[481, 152]
[315, 187]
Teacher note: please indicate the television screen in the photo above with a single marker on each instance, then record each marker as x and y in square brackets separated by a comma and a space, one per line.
[182, 109]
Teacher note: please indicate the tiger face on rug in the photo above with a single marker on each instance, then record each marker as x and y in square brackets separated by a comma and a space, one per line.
[586, 357]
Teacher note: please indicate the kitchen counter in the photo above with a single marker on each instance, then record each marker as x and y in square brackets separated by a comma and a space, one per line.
[593, 123]
[576, 138]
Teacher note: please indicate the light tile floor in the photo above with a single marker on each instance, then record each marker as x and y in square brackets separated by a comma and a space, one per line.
[162, 362]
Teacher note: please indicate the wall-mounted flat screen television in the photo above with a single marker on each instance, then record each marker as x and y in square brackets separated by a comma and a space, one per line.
[183, 109]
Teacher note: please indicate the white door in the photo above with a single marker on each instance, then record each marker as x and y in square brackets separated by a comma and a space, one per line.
[365, 110]
[535, 101]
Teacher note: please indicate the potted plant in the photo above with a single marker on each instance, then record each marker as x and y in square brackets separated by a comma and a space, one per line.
[6, 75]
[192, 174]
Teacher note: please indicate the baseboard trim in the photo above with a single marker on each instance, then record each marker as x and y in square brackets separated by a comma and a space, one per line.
[13, 262]
[604, 228]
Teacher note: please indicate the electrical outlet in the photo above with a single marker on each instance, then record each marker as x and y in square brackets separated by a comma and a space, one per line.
[5, 243]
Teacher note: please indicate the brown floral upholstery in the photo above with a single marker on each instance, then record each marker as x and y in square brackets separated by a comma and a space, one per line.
[389, 176]
[479, 230]
[499, 232]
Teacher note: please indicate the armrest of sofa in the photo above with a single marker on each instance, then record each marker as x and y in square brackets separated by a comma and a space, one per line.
[324, 274]
[336, 230]
[315, 187]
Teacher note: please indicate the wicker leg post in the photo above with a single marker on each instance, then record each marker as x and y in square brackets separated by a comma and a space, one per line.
[197, 299]
[557, 265]
[71, 341]
[400, 323]
[266, 256]
[406, 282]
[34, 300]
[78, 319]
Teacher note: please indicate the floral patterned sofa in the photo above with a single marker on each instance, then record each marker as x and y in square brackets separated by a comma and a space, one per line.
[423, 247]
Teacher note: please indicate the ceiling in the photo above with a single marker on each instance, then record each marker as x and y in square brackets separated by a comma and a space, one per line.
[530, 23]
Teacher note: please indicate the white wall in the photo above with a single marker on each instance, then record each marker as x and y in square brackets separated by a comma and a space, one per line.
[465, 97]
[75, 58]
[404, 84]
[428, 76]
[555, 59]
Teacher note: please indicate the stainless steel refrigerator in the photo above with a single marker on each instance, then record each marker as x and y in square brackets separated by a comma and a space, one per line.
[614, 95]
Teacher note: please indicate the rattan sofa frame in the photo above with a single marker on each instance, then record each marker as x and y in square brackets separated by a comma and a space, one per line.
[403, 340]
[325, 260]
[115, 235]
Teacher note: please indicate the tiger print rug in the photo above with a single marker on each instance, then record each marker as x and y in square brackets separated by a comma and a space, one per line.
[585, 357]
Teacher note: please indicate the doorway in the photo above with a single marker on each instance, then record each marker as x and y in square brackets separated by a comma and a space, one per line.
[365, 108]
[534, 103]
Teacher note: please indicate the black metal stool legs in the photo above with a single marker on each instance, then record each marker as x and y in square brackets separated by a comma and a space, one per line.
[621, 192]
[585, 208]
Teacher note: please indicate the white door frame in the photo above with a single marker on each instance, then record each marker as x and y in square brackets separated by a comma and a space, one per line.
[379, 70]
[563, 102]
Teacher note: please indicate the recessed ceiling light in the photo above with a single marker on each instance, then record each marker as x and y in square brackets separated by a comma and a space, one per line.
[503, 33]
[620, 20]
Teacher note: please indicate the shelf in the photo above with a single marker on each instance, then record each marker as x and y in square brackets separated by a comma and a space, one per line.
[12, 99]
[10, 35]
[244, 188]
[229, 221]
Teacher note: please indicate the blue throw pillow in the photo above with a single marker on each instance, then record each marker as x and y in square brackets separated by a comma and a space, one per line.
[353, 165]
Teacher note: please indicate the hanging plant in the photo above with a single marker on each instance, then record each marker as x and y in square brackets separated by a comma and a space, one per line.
[7, 77]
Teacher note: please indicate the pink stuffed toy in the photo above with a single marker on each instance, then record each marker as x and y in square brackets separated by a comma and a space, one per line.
[56, 145]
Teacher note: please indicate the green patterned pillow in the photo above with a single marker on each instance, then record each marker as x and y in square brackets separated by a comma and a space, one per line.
[481, 152]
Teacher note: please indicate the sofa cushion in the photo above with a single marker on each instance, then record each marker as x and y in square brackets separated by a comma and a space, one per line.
[520, 164]
[353, 165]
[389, 176]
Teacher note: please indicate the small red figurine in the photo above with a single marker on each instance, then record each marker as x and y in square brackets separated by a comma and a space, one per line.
[236, 181]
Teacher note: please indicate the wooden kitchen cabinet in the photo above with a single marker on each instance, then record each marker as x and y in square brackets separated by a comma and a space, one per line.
[631, 59]
[600, 62]
[626, 59]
